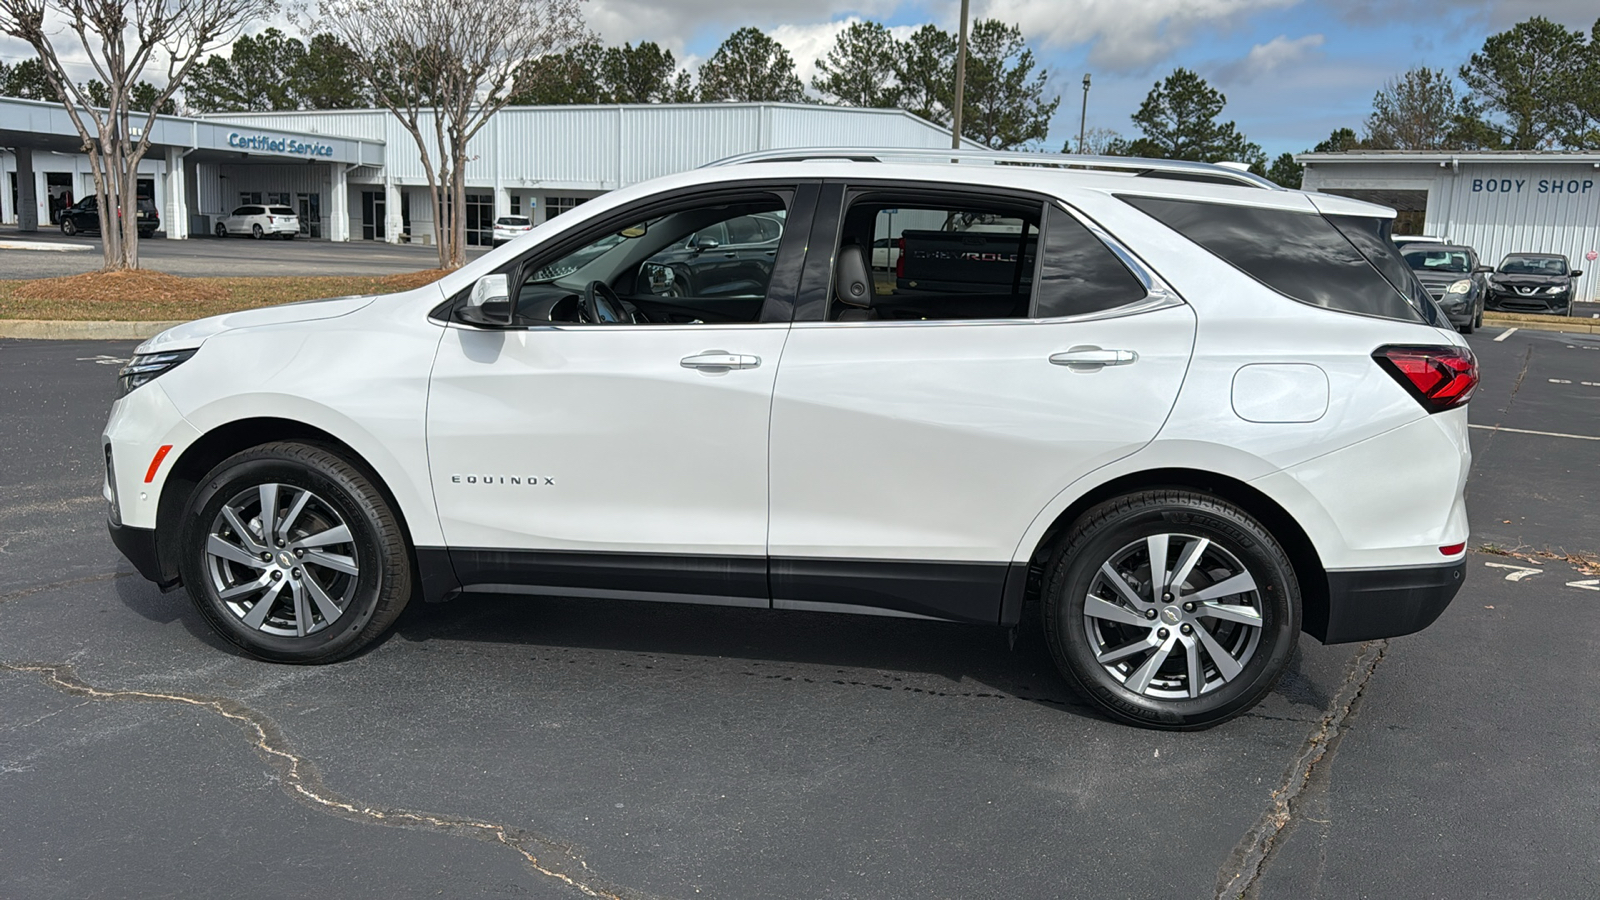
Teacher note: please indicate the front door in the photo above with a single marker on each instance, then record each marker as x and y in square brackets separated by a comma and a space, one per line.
[920, 425]
[614, 445]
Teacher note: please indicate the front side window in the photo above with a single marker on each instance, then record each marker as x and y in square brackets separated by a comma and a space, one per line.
[242, 211]
[664, 269]
[1301, 255]
[922, 260]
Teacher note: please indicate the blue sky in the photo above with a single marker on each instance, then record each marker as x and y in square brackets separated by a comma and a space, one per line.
[1293, 70]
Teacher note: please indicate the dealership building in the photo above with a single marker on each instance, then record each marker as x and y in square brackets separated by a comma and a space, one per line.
[358, 175]
[1496, 202]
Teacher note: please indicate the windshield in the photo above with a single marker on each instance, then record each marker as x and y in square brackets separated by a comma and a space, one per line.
[1438, 261]
[1533, 265]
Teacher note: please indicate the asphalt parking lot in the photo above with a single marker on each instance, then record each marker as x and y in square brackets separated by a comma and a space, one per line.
[205, 255]
[563, 748]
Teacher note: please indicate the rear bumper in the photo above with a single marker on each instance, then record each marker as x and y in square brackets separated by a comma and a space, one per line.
[139, 546]
[1365, 604]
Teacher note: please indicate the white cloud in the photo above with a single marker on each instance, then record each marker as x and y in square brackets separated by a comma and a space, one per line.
[1126, 35]
[1265, 59]
[809, 43]
[674, 23]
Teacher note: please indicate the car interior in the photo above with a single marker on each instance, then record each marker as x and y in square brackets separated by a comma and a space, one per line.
[955, 260]
[1439, 261]
[671, 268]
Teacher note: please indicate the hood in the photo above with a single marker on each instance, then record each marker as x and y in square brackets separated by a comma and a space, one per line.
[193, 334]
[1510, 280]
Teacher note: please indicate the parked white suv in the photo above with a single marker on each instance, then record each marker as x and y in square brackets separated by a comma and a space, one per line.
[1182, 413]
[509, 228]
[260, 221]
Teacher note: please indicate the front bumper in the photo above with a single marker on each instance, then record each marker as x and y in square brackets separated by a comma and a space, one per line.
[1530, 303]
[139, 546]
[1365, 604]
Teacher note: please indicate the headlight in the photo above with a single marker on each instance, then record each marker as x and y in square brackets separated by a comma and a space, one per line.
[1460, 287]
[1555, 289]
[146, 368]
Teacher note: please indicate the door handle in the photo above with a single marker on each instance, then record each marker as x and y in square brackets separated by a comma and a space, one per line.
[1093, 358]
[719, 361]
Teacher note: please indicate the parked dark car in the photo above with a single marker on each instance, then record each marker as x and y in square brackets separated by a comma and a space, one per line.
[731, 258]
[84, 216]
[1454, 279]
[1533, 283]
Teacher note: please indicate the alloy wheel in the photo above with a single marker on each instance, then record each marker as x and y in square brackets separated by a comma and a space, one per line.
[1173, 616]
[283, 560]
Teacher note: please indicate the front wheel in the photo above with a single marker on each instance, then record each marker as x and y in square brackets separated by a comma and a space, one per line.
[294, 555]
[222, 230]
[1171, 609]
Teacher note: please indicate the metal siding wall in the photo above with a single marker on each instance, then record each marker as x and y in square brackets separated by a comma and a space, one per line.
[597, 148]
[1527, 221]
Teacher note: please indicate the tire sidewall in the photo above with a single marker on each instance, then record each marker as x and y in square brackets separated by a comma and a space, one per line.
[240, 474]
[1248, 542]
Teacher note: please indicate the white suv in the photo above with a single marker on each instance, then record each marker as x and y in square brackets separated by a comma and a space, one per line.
[1181, 412]
[260, 221]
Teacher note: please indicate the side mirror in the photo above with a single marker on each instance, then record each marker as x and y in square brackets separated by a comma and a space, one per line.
[1576, 273]
[702, 244]
[489, 304]
[1483, 270]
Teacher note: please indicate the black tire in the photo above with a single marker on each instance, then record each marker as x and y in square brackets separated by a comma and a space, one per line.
[1470, 327]
[256, 232]
[1478, 322]
[374, 597]
[68, 227]
[146, 235]
[221, 230]
[288, 236]
[1103, 535]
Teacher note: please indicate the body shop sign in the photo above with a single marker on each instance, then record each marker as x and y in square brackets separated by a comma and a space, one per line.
[269, 144]
[1532, 185]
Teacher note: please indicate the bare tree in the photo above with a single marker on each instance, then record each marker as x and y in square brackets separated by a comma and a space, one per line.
[443, 68]
[121, 40]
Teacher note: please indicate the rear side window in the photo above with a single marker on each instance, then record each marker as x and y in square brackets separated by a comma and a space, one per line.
[1299, 254]
[1078, 273]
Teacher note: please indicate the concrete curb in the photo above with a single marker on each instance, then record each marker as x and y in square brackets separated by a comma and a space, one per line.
[48, 330]
[42, 245]
[1543, 323]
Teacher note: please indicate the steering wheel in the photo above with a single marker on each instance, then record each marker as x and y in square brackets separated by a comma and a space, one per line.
[600, 305]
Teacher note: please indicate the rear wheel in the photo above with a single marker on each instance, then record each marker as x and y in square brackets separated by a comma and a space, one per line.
[1171, 609]
[68, 227]
[256, 232]
[294, 555]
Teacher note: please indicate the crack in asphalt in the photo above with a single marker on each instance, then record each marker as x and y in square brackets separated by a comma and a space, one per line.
[300, 779]
[1240, 876]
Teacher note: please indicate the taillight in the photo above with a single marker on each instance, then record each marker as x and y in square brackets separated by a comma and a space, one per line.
[270, 220]
[900, 259]
[1440, 378]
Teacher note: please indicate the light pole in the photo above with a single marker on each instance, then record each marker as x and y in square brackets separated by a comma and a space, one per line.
[961, 80]
[1083, 116]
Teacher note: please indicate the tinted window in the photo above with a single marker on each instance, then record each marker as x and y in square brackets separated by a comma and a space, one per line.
[1370, 235]
[518, 221]
[961, 259]
[242, 211]
[280, 211]
[1078, 273]
[1299, 254]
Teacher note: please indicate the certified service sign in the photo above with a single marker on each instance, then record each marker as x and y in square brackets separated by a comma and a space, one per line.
[270, 144]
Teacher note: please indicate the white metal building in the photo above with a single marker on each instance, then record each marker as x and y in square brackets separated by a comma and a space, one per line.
[363, 177]
[1495, 202]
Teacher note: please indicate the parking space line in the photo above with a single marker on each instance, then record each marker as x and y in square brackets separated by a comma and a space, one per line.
[1576, 437]
[1505, 334]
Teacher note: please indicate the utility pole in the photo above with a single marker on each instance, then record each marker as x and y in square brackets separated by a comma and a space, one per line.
[961, 80]
[1083, 116]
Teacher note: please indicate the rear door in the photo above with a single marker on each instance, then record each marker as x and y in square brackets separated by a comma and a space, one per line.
[914, 443]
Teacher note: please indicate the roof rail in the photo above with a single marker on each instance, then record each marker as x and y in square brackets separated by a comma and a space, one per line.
[1152, 168]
